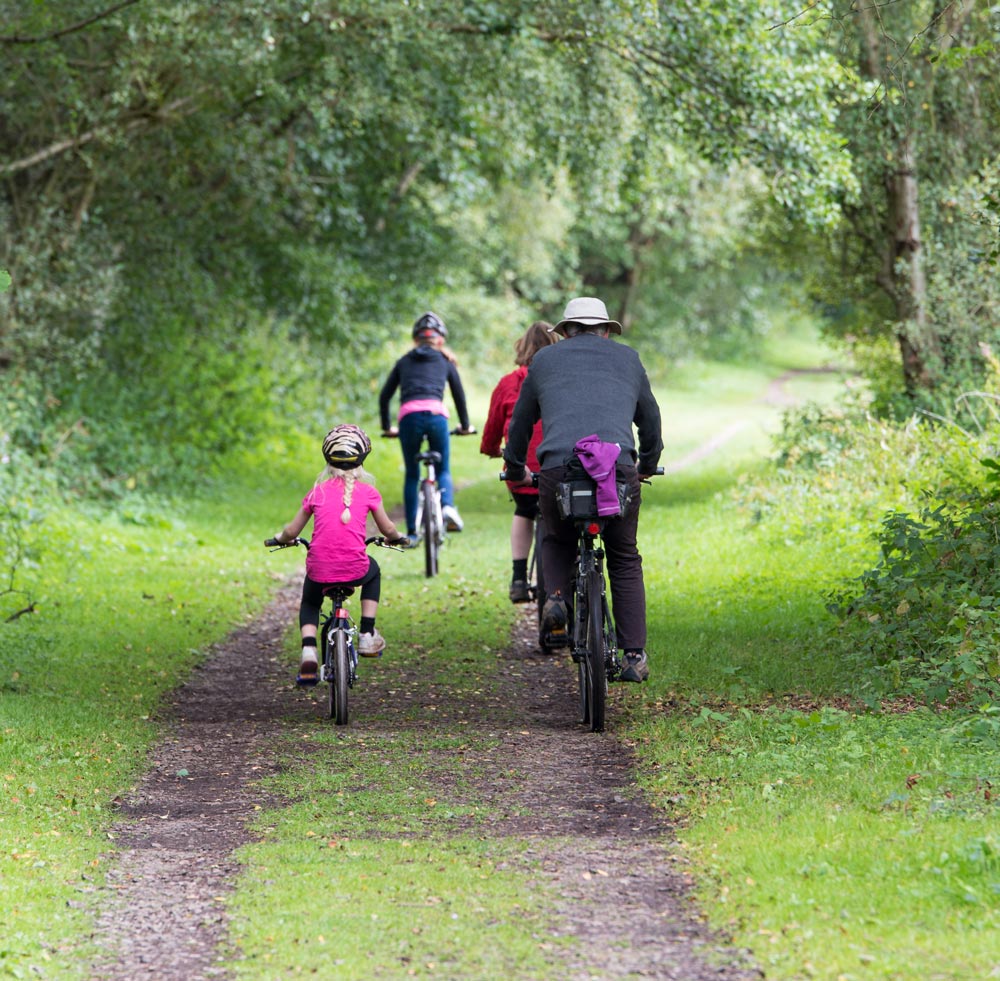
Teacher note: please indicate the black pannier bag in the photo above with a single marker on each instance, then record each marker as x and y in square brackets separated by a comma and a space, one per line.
[576, 496]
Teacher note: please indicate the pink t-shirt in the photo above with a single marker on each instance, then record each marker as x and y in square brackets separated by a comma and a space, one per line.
[337, 550]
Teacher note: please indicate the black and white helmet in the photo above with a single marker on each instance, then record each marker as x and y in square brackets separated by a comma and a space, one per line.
[429, 324]
[346, 447]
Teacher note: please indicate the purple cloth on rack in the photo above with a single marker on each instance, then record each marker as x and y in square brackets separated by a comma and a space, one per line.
[599, 459]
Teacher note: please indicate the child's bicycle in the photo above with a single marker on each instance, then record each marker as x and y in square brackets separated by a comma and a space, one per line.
[338, 636]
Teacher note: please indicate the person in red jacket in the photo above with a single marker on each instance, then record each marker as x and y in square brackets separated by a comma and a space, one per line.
[540, 334]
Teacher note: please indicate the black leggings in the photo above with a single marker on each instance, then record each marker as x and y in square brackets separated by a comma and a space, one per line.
[313, 593]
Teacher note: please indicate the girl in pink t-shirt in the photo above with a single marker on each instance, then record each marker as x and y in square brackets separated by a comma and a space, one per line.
[339, 505]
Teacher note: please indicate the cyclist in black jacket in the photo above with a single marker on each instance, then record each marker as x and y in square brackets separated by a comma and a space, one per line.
[590, 385]
[421, 377]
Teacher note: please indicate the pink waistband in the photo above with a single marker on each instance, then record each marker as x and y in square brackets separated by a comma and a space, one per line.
[423, 405]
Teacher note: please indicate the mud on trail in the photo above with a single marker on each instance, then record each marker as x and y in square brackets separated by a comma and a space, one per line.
[616, 890]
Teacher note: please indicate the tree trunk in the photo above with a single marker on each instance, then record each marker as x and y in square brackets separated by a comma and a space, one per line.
[918, 347]
[902, 272]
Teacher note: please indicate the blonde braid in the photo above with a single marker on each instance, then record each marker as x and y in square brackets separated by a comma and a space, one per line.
[350, 479]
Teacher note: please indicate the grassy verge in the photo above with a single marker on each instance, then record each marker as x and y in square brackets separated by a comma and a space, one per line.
[122, 616]
[835, 844]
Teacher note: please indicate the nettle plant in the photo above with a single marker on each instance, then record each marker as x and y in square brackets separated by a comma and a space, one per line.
[926, 620]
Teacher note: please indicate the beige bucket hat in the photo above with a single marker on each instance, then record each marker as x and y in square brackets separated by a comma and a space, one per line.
[587, 310]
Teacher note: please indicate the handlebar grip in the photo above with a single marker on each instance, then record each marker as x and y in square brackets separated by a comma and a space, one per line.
[534, 477]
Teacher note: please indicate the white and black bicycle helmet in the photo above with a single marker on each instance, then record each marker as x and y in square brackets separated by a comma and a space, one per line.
[346, 447]
[429, 324]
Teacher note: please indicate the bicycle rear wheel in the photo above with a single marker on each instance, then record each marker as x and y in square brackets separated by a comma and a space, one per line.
[597, 686]
[429, 529]
[339, 678]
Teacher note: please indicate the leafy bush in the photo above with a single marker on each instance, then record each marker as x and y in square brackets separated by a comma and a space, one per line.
[924, 618]
[840, 467]
[928, 614]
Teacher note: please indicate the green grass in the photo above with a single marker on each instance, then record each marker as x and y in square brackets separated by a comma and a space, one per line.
[838, 846]
[389, 907]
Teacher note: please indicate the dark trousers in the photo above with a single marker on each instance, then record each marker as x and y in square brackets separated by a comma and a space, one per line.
[313, 593]
[624, 563]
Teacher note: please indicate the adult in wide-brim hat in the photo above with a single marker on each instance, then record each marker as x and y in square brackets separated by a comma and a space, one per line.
[588, 311]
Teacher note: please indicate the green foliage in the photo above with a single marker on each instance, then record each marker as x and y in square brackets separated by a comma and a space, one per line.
[923, 620]
[929, 612]
[27, 492]
[339, 171]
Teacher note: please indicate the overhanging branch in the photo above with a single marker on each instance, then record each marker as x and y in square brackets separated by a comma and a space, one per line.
[71, 29]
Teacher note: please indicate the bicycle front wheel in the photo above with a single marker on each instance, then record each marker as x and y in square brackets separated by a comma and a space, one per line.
[597, 688]
[339, 677]
[429, 530]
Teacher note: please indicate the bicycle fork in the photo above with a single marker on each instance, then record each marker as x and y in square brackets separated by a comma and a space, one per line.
[340, 621]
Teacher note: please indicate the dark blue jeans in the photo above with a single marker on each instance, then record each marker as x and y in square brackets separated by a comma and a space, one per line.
[413, 427]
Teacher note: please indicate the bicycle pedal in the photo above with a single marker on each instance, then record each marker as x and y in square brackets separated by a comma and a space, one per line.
[557, 638]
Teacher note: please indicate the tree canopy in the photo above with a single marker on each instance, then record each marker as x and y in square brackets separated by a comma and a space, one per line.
[224, 178]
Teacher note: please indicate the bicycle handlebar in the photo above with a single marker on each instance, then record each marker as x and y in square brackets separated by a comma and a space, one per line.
[457, 431]
[274, 545]
[658, 472]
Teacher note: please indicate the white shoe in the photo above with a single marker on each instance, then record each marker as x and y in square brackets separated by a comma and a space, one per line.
[452, 519]
[371, 645]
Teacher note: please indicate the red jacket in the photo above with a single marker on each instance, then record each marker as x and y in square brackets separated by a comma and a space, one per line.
[498, 420]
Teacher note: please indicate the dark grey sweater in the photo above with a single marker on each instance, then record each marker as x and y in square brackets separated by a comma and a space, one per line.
[585, 385]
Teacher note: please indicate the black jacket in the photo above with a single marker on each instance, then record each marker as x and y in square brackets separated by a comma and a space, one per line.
[423, 374]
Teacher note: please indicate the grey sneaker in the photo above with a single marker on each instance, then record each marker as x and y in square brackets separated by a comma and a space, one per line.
[519, 592]
[635, 667]
[452, 519]
[371, 645]
[555, 617]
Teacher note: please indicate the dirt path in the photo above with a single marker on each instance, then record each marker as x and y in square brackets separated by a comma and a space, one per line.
[162, 914]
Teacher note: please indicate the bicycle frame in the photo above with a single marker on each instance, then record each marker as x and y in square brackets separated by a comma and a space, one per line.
[593, 638]
[430, 518]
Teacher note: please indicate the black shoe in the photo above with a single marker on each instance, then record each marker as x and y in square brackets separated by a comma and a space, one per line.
[635, 667]
[555, 617]
[519, 592]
